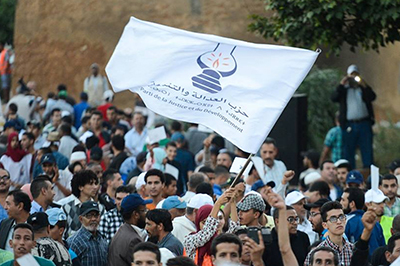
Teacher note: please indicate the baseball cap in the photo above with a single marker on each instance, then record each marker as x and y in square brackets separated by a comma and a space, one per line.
[55, 215]
[89, 206]
[376, 196]
[107, 95]
[140, 181]
[311, 178]
[177, 136]
[252, 200]
[12, 123]
[257, 185]
[174, 202]
[132, 201]
[199, 200]
[294, 197]
[38, 220]
[352, 68]
[77, 156]
[340, 162]
[354, 176]
[317, 204]
[48, 158]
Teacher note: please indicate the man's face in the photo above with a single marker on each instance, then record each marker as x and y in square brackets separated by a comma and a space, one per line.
[118, 199]
[117, 181]
[11, 208]
[313, 196]
[378, 208]
[245, 258]
[336, 228]
[224, 159]
[48, 168]
[95, 121]
[90, 220]
[226, 252]
[177, 212]
[138, 121]
[5, 181]
[389, 188]
[247, 217]
[141, 223]
[95, 71]
[391, 257]
[299, 208]
[56, 233]
[328, 172]
[90, 189]
[342, 174]
[171, 189]
[397, 171]
[345, 203]
[292, 226]
[56, 118]
[97, 170]
[26, 143]
[152, 228]
[154, 186]
[316, 220]
[111, 115]
[22, 242]
[211, 178]
[323, 258]
[145, 258]
[268, 153]
[49, 193]
[171, 153]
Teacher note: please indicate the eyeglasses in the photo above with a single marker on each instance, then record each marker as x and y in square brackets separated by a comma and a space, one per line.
[313, 214]
[292, 219]
[92, 215]
[6, 177]
[334, 219]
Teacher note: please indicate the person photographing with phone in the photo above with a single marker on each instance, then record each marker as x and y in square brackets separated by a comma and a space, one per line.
[356, 115]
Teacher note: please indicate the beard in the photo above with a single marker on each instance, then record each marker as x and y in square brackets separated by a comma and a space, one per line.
[347, 210]
[141, 223]
[92, 227]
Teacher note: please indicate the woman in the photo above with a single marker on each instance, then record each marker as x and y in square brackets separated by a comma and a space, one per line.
[198, 245]
[17, 162]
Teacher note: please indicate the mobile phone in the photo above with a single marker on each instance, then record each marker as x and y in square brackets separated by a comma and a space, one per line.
[252, 232]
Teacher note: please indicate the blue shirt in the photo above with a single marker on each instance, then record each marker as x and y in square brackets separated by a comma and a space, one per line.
[35, 207]
[172, 243]
[217, 190]
[3, 213]
[79, 108]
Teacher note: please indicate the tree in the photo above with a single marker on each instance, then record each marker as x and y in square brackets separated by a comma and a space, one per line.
[331, 23]
[7, 15]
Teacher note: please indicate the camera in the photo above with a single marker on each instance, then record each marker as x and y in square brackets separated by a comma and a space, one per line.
[252, 232]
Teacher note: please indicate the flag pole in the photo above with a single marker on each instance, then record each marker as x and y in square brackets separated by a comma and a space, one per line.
[241, 171]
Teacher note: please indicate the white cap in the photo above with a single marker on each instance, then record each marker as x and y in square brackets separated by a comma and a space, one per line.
[294, 197]
[140, 181]
[339, 162]
[77, 156]
[199, 200]
[85, 135]
[375, 196]
[351, 69]
[108, 95]
[65, 113]
[311, 178]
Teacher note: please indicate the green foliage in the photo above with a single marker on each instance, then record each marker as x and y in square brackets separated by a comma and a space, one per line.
[331, 23]
[319, 85]
[386, 145]
[7, 15]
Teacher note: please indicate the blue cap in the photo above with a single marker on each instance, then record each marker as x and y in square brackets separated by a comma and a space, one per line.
[174, 202]
[354, 176]
[55, 215]
[132, 201]
[12, 123]
[258, 184]
[48, 158]
[177, 136]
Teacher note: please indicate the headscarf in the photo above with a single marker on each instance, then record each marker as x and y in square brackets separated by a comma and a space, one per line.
[15, 154]
[202, 214]
[159, 155]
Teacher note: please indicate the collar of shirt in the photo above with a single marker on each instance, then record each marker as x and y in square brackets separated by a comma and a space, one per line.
[141, 232]
[35, 206]
[336, 247]
[165, 239]
[88, 235]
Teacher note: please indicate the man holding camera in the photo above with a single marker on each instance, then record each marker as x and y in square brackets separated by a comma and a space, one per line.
[356, 115]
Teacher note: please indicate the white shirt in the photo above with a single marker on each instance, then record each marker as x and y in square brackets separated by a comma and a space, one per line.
[188, 195]
[275, 173]
[65, 177]
[67, 144]
[135, 141]
[19, 171]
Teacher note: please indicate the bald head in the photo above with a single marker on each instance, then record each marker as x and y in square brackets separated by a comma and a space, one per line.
[396, 225]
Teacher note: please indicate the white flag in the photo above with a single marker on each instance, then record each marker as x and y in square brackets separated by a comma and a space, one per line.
[236, 88]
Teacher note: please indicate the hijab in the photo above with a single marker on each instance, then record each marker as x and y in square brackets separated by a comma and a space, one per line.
[16, 154]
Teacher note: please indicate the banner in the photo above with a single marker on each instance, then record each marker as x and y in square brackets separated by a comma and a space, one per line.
[236, 88]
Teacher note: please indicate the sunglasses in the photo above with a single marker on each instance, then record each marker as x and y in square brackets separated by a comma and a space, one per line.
[5, 177]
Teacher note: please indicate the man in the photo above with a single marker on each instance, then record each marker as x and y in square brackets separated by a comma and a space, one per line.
[27, 142]
[88, 244]
[35, 128]
[18, 206]
[353, 204]
[118, 147]
[55, 122]
[195, 138]
[334, 220]
[58, 223]
[355, 179]
[112, 180]
[42, 194]
[80, 108]
[328, 174]
[310, 163]
[175, 205]
[250, 208]
[314, 217]
[184, 225]
[324, 256]
[46, 247]
[274, 169]
[159, 227]
[5, 73]
[96, 127]
[297, 201]
[62, 182]
[67, 143]
[112, 220]
[5, 184]
[130, 234]
[170, 186]
[171, 151]
[342, 169]
[389, 187]
[154, 180]
[222, 175]
[146, 253]
[393, 249]
[135, 138]
[356, 115]
[318, 190]
[225, 159]
[333, 144]
[299, 241]
[22, 243]
[140, 161]
[108, 98]
[95, 85]
[194, 180]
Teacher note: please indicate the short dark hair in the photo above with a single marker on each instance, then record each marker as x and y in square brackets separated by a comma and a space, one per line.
[55, 110]
[225, 238]
[21, 197]
[171, 144]
[66, 129]
[205, 169]
[62, 87]
[72, 166]
[84, 96]
[396, 224]
[196, 179]
[117, 127]
[109, 175]
[327, 249]
[79, 147]
[13, 107]
[29, 135]
[270, 141]
[118, 142]
[38, 184]
[176, 126]
[389, 177]
[24, 226]
[161, 216]
[147, 246]
[344, 165]
[331, 205]
[205, 188]
[356, 195]
[169, 179]
[392, 242]
[124, 189]
[324, 162]
[275, 215]
[322, 187]
[180, 261]
[60, 224]
[96, 112]
[155, 172]
[80, 179]
[112, 107]
[221, 170]
[85, 119]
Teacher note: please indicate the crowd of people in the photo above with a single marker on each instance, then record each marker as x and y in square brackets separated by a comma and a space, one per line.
[82, 183]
